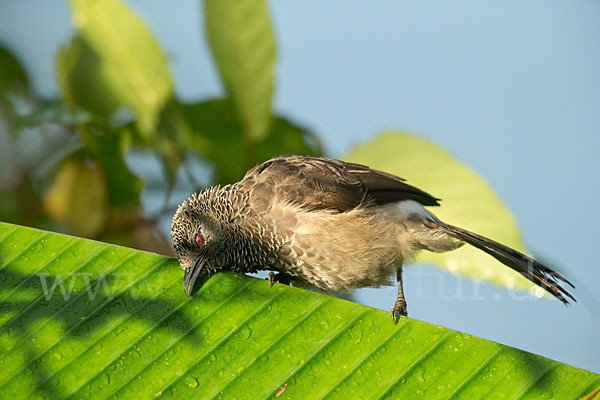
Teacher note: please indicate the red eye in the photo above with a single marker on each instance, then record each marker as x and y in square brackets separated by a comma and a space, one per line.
[199, 240]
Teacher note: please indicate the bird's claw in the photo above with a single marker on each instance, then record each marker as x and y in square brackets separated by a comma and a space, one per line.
[398, 310]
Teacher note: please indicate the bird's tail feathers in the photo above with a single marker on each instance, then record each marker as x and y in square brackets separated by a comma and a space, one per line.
[537, 273]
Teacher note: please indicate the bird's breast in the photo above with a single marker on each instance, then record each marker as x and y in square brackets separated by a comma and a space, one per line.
[336, 251]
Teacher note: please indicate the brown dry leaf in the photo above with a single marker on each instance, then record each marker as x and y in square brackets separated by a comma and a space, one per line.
[594, 395]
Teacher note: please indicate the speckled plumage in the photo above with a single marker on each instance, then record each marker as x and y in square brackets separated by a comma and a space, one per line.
[338, 226]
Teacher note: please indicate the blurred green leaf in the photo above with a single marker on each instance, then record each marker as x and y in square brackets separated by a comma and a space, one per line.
[87, 80]
[287, 138]
[468, 201]
[107, 147]
[243, 45]
[133, 66]
[12, 73]
[214, 131]
[14, 90]
[171, 139]
[9, 207]
[53, 112]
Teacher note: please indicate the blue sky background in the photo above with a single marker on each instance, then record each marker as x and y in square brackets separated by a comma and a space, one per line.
[511, 88]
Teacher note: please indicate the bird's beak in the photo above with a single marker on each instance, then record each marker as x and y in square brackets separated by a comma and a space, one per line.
[191, 274]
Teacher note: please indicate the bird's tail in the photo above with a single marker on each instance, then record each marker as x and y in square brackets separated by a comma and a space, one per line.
[537, 273]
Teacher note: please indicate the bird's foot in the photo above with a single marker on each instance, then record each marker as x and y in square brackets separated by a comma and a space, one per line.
[398, 310]
[279, 277]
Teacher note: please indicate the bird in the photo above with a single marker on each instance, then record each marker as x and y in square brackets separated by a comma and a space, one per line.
[335, 225]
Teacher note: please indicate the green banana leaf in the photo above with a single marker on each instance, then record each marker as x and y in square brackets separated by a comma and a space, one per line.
[83, 319]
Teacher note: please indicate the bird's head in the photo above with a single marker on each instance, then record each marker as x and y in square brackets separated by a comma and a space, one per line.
[200, 238]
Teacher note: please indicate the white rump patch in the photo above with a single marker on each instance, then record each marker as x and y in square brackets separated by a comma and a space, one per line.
[411, 209]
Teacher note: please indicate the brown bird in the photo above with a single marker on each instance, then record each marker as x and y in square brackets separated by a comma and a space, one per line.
[336, 225]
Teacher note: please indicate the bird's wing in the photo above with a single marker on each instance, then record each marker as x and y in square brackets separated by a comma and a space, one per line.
[324, 183]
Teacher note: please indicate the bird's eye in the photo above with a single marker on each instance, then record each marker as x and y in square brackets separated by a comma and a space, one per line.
[199, 240]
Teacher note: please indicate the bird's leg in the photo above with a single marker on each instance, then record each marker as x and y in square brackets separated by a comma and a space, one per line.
[279, 277]
[399, 308]
[271, 279]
